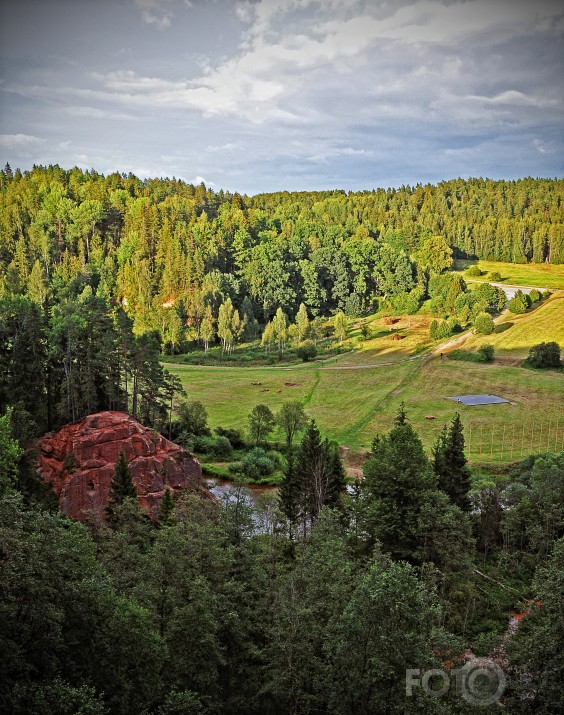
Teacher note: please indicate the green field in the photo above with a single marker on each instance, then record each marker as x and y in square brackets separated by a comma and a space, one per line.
[543, 275]
[357, 394]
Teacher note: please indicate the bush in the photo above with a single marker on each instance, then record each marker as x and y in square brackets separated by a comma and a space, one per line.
[444, 331]
[433, 329]
[544, 355]
[234, 436]
[534, 296]
[306, 350]
[484, 325]
[256, 464]
[519, 303]
[545, 295]
[473, 272]
[218, 447]
[494, 276]
[486, 353]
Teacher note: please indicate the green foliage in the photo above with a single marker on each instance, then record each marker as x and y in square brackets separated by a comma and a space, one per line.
[291, 419]
[443, 331]
[494, 276]
[10, 454]
[473, 272]
[261, 423]
[519, 303]
[534, 295]
[449, 463]
[486, 353]
[217, 447]
[544, 355]
[193, 418]
[257, 463]
[234, 436]
[397, 477]
[122, 487]
[484, 325]
[306, 351]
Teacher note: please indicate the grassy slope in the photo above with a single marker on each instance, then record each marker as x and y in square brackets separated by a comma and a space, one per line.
[544, 275]
[515, 334]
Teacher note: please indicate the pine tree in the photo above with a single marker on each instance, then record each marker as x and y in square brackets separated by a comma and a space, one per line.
[337, 482]
[121, 488]
[450, 464]
[166, 509]
[397, 481]
[290, 493]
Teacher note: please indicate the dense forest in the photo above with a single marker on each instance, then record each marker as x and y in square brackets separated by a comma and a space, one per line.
[159, 243]
[299, 603]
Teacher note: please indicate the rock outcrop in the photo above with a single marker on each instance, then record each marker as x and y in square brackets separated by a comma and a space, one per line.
[79, 462]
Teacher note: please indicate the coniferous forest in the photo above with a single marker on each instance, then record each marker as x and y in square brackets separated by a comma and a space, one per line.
[313, 599]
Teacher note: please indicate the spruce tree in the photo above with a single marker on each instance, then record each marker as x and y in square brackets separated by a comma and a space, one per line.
[121, 488]
[166, 509]
[450, 464]
[397, 480]
[337, 478]
[290, 493]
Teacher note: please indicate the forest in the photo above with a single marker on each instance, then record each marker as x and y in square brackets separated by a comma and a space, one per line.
[316, 598]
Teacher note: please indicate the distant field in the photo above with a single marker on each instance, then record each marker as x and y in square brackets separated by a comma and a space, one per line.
[352, 403]
[515, 334]
[545, 275]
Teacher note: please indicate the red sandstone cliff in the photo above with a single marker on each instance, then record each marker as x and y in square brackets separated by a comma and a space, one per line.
[79, 461]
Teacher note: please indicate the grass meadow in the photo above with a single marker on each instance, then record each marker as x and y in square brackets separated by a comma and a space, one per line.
[355, 395]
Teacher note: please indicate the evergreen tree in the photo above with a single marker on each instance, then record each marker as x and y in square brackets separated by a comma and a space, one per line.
[290, 493]
[449, 463]
[397, 480]
[121, 488]
[166, 509]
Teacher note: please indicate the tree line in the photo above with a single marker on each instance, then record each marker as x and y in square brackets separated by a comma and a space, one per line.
[171, 253]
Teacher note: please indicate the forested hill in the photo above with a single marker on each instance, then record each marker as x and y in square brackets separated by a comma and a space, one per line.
[159, 242]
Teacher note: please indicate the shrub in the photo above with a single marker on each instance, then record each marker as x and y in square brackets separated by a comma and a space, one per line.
[454, 324]
[534, 296]
[234, 436]
[444, 331]
[433, 329]
[519, 303]
[473, 272]
[494, 276]
[544, 355]
[486, 353]
[218, 447]
[546, 294]
[256, 464]
[484, 324]
[306, 350]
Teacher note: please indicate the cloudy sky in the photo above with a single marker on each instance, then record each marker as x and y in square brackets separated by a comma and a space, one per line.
[265, 95]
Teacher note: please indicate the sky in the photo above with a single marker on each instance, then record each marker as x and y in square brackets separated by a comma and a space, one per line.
[269, 95]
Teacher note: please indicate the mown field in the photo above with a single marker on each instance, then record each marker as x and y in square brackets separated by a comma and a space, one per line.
[356, 395]
[544, 275]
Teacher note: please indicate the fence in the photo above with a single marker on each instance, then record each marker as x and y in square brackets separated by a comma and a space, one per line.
[488, 442]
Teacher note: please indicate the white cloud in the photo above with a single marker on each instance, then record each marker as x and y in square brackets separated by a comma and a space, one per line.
[15, 141]
[159, 12]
